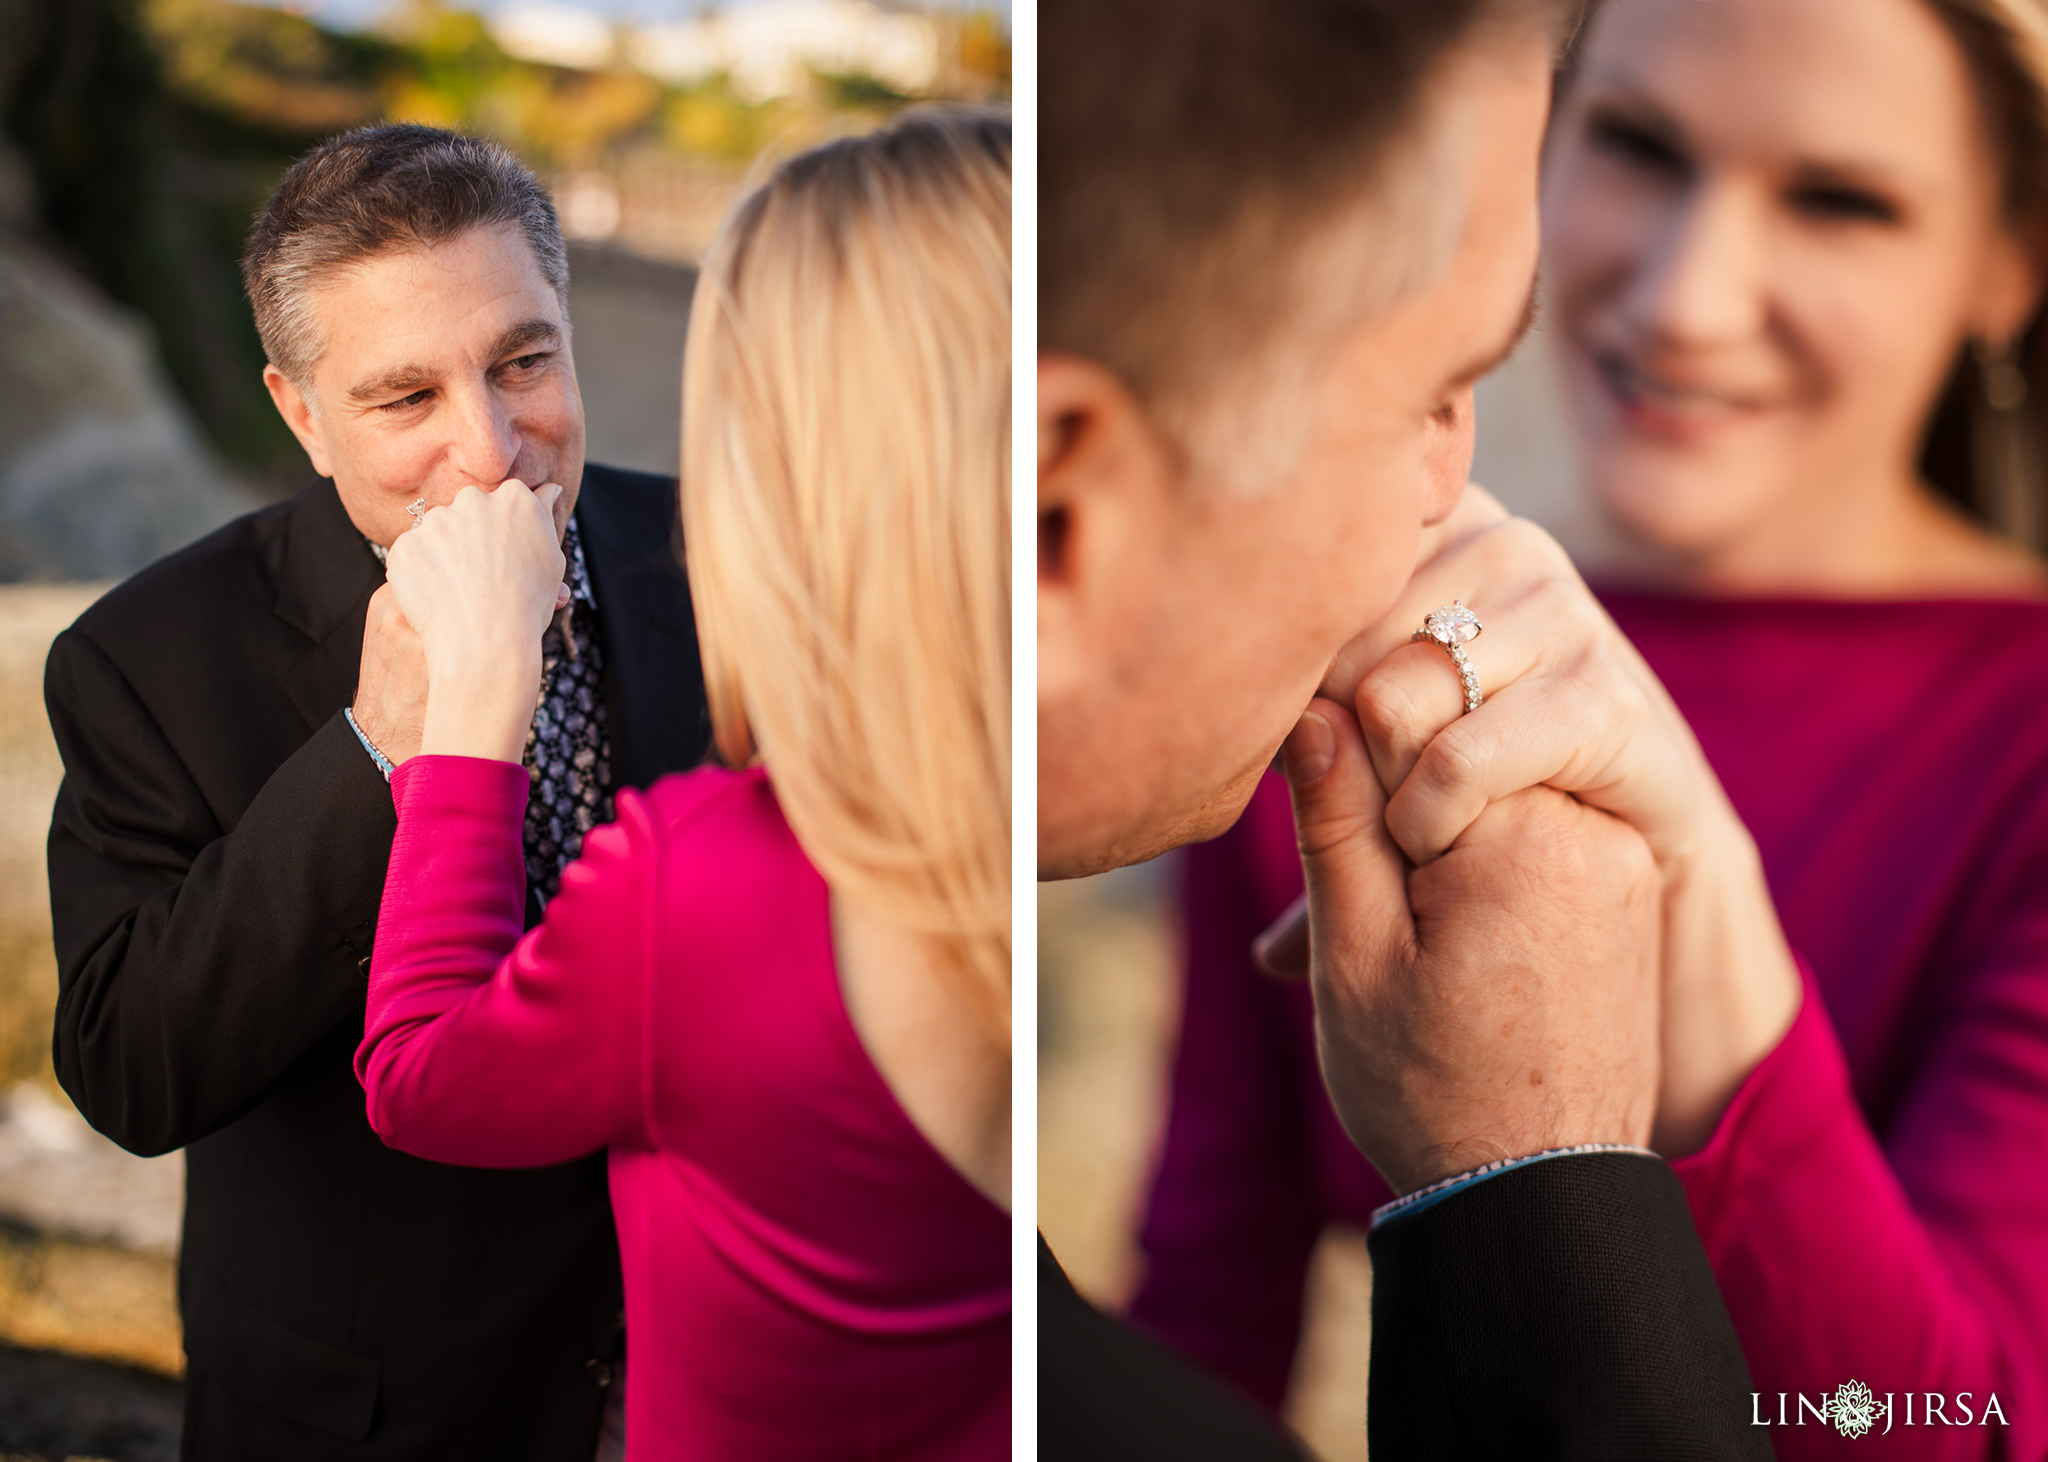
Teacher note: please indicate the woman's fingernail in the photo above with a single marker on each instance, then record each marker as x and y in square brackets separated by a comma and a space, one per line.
[1310, 749]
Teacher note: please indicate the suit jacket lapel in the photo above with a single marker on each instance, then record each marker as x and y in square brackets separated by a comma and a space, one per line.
[654, 687]
[323, 591]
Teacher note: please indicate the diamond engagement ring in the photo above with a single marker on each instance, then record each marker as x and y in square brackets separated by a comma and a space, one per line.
[1454, 627]
[418, 510]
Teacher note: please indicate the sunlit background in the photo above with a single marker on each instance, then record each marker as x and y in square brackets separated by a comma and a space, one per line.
[137, 139]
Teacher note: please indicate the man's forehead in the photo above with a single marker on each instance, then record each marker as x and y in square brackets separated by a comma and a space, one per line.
[453, 299]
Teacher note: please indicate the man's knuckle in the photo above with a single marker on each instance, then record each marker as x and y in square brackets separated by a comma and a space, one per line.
[1450, 765]
[1386, 708]
[1534, 817]
[1321, 834]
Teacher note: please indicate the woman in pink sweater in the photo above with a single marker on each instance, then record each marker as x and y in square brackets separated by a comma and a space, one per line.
[776, 992]
[1794, 254]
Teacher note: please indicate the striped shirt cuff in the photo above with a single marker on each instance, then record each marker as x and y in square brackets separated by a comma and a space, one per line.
[1443, 1188]
[383, 761]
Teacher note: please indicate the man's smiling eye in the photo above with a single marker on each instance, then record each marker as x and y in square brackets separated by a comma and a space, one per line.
[407, 401]
[528, 362]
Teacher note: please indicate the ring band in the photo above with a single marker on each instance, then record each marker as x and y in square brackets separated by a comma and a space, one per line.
[1453, 627]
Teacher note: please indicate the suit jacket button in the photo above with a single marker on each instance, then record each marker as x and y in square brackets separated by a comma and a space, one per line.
[599, 1371]
[363, 965]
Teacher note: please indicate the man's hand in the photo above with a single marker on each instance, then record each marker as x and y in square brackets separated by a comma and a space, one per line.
[1499, 1001]
[391, 689]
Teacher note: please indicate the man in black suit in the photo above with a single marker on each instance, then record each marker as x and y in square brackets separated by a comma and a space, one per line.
[227, 718]
[1280, 241]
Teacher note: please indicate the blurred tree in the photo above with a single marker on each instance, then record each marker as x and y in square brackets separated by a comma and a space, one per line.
[450, 73]
[278, 74]
[710, 121]
[153, 135]
[982, 46]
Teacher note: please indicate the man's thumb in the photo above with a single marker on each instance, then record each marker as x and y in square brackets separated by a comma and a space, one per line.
[1356, 875]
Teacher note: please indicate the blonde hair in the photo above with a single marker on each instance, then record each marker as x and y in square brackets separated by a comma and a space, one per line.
[846, 491]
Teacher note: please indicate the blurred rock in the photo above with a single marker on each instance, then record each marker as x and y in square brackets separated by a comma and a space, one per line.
[88, 1233]
[101, 470]
[93, 1300]
[1108, 1019]
[58, 1176]
[17, 189]
[55, 1407]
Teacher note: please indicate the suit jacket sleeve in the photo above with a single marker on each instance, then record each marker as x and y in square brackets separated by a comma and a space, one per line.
[1109, 1394]
[197, 962]
[1563, 1309]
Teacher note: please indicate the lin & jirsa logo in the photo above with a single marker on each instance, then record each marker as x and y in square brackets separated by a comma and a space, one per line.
[1854, 1409]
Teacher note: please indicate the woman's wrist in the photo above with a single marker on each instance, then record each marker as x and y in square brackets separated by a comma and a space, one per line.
[1731, 986]
[482, 706]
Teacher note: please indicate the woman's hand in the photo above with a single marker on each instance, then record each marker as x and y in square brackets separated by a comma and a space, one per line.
[1570, 704]
[479, 580]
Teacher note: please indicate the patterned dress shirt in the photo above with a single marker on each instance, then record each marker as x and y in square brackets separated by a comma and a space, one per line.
[568, 750]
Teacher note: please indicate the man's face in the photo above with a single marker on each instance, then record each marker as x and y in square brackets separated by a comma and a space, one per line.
[1183, 631]
[443, 368]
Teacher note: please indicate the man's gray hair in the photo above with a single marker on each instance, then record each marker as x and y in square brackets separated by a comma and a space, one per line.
[373, 190]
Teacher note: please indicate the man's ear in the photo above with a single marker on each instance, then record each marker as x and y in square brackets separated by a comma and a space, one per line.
[298, 415]
[1104, 471]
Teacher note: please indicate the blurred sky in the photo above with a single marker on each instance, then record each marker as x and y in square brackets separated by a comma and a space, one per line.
[358, 14]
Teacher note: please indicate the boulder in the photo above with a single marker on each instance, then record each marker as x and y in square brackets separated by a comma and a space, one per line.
[101, 467]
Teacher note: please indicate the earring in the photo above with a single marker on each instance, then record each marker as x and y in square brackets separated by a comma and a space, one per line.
[2004, 450]
[2005, 384]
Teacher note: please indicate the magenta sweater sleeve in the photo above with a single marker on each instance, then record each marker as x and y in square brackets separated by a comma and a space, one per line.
[480, 1047]
[1914, 1265]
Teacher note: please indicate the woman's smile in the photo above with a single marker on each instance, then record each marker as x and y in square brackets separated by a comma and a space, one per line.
[1671, 405]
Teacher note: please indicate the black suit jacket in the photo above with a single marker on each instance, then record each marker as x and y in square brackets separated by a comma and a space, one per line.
[216, 863]
[1560, 1310]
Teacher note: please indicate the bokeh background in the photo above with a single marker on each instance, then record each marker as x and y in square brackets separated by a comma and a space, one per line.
[1109, 999]
[137, 139]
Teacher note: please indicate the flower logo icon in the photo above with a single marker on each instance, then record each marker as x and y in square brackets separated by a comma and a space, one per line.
[1852, 1409]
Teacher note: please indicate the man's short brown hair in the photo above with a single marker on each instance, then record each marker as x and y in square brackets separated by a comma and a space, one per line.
[373, 190]
[1190, 149]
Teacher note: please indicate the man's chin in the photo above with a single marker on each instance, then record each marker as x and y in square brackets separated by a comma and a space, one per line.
[1220, 813]
[1080, 857]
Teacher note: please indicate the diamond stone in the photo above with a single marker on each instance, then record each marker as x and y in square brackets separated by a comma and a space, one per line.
[1454, 624]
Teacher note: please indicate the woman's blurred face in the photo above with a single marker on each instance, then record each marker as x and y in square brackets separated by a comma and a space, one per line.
[1769, 225]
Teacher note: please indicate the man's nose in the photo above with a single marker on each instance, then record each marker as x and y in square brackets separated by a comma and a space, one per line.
[485, 440]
